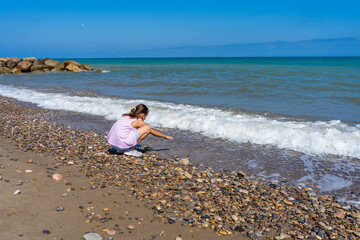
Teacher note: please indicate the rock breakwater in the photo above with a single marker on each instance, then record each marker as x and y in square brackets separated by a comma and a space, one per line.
[16, 65]
[179, 192]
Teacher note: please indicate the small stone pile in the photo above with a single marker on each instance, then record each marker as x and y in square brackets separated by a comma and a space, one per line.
[16, 65]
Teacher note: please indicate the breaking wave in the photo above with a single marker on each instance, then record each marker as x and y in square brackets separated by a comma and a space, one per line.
[315, 138]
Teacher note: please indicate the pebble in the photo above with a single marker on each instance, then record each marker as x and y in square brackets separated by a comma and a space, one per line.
[59, 209]
[200, 180]
[131, 227]
[282, 236]
[241, 174]
[239, 229]
[17, 192]
[111, 232]
[46, 232]
[243, 191]
[92, 236]
[171, 220]
[340, 215]
[254, 234]
[28, 171]
[18, 183]
[184, 161]
[57, 177]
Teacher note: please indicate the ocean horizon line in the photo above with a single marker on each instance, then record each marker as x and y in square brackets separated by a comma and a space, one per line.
[203, 57]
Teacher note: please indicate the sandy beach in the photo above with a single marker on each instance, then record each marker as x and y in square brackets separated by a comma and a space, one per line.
[34, 209]
[146, 198]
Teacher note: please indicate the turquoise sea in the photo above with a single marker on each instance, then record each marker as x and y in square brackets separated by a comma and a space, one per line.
[250, 112]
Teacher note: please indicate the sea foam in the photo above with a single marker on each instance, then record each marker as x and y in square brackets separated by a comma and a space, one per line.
[315, 138]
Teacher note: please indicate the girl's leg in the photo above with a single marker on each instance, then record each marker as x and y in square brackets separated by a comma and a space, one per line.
[143, 132]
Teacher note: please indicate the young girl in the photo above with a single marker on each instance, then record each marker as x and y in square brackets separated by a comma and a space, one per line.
[130, 130]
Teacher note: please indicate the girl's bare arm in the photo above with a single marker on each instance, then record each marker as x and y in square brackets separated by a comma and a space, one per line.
[141, 123]
[159, 134]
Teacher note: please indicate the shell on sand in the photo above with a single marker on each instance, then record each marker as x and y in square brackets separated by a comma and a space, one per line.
[111, 232]
[57, 177]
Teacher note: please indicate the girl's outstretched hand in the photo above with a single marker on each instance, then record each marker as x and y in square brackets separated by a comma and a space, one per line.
[168, 137]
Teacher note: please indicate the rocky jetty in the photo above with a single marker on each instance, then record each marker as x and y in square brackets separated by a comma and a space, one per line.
[16, 65]
[178, 191]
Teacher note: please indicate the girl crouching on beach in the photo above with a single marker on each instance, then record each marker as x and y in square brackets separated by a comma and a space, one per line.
[130, 130]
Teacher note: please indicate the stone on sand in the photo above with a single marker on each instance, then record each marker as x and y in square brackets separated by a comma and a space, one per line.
[92, 236]
[184, 161]
[57, 177]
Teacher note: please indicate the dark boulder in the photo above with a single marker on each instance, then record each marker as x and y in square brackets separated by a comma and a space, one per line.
[2, 64]
[11, 64]
[39, 62]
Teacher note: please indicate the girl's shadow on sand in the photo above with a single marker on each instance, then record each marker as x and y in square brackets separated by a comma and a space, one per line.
[144, 150]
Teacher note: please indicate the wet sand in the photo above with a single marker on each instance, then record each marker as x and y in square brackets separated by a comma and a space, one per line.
[160, 194]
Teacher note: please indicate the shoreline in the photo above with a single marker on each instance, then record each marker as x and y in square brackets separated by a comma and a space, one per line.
[324, 174]
[182, 194]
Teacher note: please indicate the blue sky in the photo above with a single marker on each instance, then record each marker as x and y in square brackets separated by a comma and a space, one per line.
[119, 28]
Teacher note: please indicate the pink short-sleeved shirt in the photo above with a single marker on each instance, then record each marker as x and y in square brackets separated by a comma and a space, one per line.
[122, 134]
